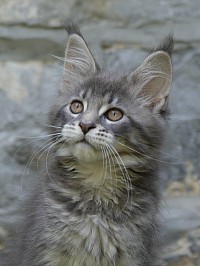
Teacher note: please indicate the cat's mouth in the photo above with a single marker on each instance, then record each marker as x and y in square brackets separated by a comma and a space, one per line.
[84, 142]
[87, 145]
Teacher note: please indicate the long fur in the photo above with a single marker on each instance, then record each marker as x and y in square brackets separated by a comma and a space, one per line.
[97, 199]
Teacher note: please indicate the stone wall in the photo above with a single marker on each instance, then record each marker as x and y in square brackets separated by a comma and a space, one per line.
[121, 34]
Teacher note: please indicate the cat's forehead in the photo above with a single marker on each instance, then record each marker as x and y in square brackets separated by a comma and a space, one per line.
[90, 94]
[109, 91]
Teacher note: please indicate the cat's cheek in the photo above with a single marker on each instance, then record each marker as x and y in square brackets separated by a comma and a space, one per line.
[120, 128]
[72, 134]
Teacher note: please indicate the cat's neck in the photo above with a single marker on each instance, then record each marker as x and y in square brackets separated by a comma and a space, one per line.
[101, 180]
[95, 184]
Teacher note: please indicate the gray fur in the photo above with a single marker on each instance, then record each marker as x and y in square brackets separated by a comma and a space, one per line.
[98, 203]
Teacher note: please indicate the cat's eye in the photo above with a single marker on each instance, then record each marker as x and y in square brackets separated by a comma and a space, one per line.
[114, 114]
[76, 107]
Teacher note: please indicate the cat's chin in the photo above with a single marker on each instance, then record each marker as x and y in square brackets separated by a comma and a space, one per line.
[81, 151]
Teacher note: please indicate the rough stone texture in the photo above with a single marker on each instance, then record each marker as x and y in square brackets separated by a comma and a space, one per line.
[185, 251]
[121, 34]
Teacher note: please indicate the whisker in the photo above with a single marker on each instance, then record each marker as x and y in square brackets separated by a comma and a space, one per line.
[147, 156]
[63, 144]
[47, 161]
[109, 162]
[103, 162]
[56, 141]
[47, 125]
[52, 145]
[124, 179]
[126, 176]
[37, 139]
[109, 156]
[41, 147]
[113, 163]
[27, 167]
[162, 152]
[106, 166]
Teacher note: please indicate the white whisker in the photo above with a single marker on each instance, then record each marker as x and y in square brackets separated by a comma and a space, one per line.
[47, 170]
[125, 175]
[47, 125]
[145, 155]
[37, 139]
[114, 178]
[160, 151]
[56, 141]
[103, 162]
[40, 137]
[48, 151]
[27, 167]
[38, 150]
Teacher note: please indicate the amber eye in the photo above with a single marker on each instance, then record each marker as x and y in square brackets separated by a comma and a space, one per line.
[76, 107]
[114, 114]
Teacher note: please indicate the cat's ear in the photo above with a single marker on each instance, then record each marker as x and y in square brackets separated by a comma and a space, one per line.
[79, 62]
[152, 80]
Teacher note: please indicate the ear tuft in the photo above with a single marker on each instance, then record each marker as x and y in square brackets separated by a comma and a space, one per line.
[167, 45]
[71, 28]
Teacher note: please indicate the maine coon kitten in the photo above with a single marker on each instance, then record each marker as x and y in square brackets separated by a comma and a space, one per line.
[98, 202]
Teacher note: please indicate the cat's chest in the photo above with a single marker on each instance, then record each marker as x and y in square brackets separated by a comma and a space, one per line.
[83, 229]
[89, 240]
[96, 233]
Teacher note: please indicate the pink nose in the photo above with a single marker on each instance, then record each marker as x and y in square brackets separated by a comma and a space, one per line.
[86, 127]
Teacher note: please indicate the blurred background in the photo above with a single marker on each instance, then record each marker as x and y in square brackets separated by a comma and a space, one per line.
[120, 34]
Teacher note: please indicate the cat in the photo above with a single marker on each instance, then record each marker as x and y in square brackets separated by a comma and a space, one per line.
[97, 202]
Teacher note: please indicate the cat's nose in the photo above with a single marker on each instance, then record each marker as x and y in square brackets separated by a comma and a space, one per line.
[86, 127]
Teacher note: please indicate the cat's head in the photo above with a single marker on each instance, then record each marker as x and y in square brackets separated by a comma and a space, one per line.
[98, 113]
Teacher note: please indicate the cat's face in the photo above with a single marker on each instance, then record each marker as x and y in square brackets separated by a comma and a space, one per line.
[93, 118]
[98, 114]
[99, 118]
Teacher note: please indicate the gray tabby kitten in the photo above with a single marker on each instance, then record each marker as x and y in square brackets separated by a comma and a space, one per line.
[98, 202]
